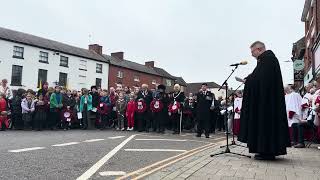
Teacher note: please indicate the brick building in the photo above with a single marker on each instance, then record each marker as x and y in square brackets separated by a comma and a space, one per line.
[128, 73]
[310, 17]
[298, 52]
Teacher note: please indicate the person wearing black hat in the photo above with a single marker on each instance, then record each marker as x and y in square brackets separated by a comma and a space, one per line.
[145, 95]
[204, 103]
[159, 109]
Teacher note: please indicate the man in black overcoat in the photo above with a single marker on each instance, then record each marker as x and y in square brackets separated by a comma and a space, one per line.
[204, 103]
[263, 123]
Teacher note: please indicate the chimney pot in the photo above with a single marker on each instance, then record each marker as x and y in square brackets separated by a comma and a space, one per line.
[95, 48]
[149, 64]
[118, 55]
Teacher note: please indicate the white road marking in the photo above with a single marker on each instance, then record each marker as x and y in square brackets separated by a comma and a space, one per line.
[155, 150]
[65, 144]
[116, 137]
[175, 140]
[26, 149]
[93, 140]
[102, 161]
[112, 173]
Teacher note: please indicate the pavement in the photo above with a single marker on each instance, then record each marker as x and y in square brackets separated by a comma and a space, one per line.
[298, 164]
[89, 154]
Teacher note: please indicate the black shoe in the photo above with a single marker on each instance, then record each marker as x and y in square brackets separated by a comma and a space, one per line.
[198, 135]
[264, 157]
[300, 145]
[207, 136]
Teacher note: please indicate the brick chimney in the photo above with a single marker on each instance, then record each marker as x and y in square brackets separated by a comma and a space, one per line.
[118, 55]
[96, 48]
[149, 64]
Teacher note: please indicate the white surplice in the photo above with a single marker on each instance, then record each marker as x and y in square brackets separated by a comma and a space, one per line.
[293, 103]
[237, 104]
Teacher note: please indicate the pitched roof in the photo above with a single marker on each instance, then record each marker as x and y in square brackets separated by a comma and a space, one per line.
[31, 40]
[130, 65]
[181, 81]
[164, 73]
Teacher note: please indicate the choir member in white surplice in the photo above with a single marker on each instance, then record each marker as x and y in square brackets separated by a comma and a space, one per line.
[294, 113]
[237, 111]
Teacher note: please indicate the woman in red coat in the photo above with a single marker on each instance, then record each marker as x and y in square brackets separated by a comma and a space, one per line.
[3, 113]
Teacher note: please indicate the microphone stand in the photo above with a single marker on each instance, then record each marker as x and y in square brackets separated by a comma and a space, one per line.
[227, 150]
[233, 142]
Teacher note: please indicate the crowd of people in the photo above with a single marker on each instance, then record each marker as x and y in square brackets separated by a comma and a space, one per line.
[139, 109]
[303, 112]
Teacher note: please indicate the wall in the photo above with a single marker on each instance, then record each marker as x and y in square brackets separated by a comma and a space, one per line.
[31, 65]
[128, 78]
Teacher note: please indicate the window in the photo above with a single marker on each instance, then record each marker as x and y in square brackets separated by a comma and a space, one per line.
[16, 76]
[18, 52]
[168, 82]
[120, 74]
[99, 68]
[42, 76]
[98, 82]
[63, 79]
[154, 82]
[83, 65]
[43, 57]
[136, 78]
[63, 61]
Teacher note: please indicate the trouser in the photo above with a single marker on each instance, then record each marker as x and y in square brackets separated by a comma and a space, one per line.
[17, 122]
[3, 122]
[175, 122]
[120, 122]
[220, 122]
[298, 130]
[87, 124]
[158, 122]
[130, 119]
[140, 121]
[213, 121]
[38, 124]
[104, 120]
[147, 120]
[203, 125]
[54, 118]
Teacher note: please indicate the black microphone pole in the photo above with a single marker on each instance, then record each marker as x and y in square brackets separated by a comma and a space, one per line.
[227, 150]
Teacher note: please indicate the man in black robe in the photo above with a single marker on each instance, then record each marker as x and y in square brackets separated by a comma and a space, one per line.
[263, 124]
[204, 103]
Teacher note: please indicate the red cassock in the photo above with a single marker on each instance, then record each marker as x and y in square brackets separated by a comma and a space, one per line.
[236, 128]
[3, 117]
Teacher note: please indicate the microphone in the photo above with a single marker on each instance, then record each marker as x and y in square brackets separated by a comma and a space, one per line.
[240, 63]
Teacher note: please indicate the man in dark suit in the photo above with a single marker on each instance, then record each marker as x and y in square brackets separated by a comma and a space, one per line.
[204, 99]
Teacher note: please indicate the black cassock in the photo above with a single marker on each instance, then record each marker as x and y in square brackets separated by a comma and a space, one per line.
[204, 102]
[263, 123]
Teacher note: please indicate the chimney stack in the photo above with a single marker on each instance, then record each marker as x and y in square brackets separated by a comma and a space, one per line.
[149, 64]
[118, 55]
[96, 48]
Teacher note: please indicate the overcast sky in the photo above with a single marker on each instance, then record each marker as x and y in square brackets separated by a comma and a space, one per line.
[195, 39]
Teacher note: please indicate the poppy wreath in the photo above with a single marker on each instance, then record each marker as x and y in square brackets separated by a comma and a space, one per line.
[156, 106]
[141, 106]
[173, 108]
